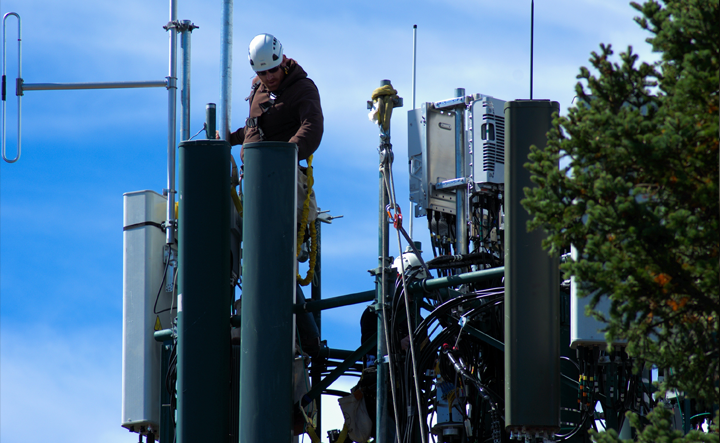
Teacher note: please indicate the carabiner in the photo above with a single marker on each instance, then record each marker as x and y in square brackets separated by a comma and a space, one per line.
[397, 218]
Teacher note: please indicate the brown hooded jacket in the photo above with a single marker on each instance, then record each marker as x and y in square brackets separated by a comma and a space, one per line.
[294, 115]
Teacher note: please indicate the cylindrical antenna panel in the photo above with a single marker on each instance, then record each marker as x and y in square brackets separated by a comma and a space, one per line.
[532, 286]
[205, 292]
[269, 285]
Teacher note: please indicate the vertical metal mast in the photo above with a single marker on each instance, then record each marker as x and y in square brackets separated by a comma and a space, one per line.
[381, 285]
[172, 127]
[414, 75]
[226, 69]
[461, 246]
[186, 28]
[532, 34]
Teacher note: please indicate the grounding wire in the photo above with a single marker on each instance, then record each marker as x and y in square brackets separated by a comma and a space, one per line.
[201, 130]
[157, 297]
[562, 357]
[571, 434]
[391, 192]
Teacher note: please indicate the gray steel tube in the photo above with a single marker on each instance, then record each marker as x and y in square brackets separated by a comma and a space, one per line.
[226, 69]
[185, 39]
[93, 85]
[382, 423]
[532, 285]
[210, 120]
[428, 284]
[167, 416]
[172, 126]
[318, 305]
[316, 296]
[414, 77]
[269, 270]
[461, 245]
[204, 292]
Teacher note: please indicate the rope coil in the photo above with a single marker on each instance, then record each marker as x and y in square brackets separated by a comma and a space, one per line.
[313, 229]
[384, 96]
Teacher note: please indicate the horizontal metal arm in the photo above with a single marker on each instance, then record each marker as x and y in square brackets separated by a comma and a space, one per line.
[428, 284]
[92, 85]
[335, 302]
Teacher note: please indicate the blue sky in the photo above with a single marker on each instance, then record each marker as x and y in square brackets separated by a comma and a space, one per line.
[61, 204]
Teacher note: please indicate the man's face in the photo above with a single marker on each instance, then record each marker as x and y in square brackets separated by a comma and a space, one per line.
[272, 78]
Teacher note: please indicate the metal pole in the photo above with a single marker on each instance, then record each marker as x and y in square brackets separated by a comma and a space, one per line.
[316, 297]
[461, 244]
[414, 76]
[186, 28]
[226, 69]
[93, 85]
[381, 285]
[167, 428]
[532, 34]
[205, 292]
[268, 295]
[430, 284]
[317, 305]
[210, 120]
[172, 128]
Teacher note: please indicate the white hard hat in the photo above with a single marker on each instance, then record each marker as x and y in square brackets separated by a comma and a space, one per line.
[265, 52]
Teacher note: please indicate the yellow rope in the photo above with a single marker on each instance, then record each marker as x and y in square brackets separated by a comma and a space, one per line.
[234, 181]
[310, 426]
[310, 429]
[313, 230]
[236, 200]
[343, 434]
[384, 95]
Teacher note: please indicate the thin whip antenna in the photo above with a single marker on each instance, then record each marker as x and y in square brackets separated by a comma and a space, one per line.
[414, 76]
[414, 71]
[532, 32]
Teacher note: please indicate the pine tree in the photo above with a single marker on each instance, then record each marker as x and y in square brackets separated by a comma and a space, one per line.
[639, 198]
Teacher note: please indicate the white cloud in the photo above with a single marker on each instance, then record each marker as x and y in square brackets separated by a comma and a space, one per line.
[60, 386]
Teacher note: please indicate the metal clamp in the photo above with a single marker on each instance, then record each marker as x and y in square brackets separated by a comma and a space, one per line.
[18, 86]
[180, 26]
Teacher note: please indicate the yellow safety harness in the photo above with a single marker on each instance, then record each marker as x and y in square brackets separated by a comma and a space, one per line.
[313, 230]
[310, 430]
[234, 181]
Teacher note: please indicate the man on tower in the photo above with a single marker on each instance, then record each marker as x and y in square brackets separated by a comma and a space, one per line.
[284, 102]
[285, 107]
